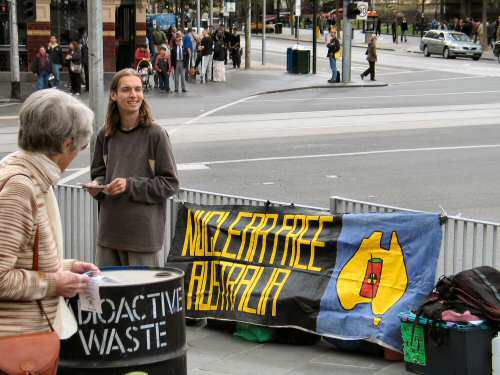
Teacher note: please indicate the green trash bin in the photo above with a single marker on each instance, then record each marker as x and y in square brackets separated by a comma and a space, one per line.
[303, 61]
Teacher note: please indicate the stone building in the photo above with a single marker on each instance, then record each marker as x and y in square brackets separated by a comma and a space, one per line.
[124, 27]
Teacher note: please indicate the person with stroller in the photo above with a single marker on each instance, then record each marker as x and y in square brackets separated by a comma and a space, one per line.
[142, 53]
[143, 65]
[163, 67]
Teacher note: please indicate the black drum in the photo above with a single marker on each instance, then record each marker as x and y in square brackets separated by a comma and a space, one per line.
[140, 331]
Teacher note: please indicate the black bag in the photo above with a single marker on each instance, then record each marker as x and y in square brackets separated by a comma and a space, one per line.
[479, 289]
[476, 290]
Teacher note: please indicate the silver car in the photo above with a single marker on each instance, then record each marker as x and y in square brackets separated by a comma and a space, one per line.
[449, 44]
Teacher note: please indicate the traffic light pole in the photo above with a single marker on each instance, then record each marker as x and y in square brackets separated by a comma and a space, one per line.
[15, 74]
[315, 42]
[346, 46]
[264, 32]
[211, 14]
[248, 30]
[96, 66]
[198, 17]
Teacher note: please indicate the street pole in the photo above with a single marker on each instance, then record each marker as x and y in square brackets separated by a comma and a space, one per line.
[422, 18]
[315, 42]
[15, 74]
[346, 46]
[96, 66]
[211, 14]
[297, 26]
[264, 32]
[338, 23]
[198, 17]
[248, 40]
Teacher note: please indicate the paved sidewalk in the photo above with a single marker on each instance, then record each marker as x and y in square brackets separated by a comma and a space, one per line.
[412, 45]
[256, 81]
[213, 352]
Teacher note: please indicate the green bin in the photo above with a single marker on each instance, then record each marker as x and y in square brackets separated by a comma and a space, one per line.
[303, 61]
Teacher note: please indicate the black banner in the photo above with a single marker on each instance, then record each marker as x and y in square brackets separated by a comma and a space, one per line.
[263, 265]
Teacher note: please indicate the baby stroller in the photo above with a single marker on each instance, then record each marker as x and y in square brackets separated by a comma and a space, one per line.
[145, 70]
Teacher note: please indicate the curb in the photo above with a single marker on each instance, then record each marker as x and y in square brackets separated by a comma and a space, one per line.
[357, 45]
[10, 101]
[331, 86]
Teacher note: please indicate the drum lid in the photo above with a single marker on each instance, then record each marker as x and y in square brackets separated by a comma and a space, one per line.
[122, 276]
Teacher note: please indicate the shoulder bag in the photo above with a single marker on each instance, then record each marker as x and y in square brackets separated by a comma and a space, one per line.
[75, 68]
[31, 353]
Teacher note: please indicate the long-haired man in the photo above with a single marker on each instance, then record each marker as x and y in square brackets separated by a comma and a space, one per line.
[133, 172]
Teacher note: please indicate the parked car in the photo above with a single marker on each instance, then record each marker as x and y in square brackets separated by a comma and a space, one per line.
[450, 44]
[496, 50]
[257, 27]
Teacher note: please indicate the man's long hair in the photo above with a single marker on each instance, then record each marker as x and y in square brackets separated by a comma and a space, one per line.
[113, 115]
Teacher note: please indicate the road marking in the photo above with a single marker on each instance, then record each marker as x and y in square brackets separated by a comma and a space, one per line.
[72, 176]
[442, 79]
[205, 114]
[8, 104]
[378, 96]
[191, 166]
[8, 117]
[360, 153]
[403, 72]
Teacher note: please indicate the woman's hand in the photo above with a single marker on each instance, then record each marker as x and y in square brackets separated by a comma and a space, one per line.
[82, 267]
[68, 284]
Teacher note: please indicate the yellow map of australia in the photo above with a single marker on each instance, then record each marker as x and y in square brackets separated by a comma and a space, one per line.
[374, 275]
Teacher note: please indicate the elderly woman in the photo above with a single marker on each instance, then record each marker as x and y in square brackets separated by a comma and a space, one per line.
[54, 128]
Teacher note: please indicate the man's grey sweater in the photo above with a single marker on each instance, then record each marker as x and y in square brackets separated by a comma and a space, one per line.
[135, 219]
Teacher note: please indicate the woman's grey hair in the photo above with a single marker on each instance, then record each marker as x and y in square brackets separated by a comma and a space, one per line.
[49, 117]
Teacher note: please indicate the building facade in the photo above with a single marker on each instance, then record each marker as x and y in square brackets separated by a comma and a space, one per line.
[124, 27]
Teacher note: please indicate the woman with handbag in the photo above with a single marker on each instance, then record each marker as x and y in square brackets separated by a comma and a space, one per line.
[74, 59]
[54, 128]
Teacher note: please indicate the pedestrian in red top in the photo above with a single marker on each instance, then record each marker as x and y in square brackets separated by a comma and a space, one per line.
[142, 53]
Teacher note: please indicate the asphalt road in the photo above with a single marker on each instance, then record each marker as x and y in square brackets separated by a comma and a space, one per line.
[428, 139]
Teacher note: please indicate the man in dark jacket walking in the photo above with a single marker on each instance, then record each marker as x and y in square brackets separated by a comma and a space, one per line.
[372, 58]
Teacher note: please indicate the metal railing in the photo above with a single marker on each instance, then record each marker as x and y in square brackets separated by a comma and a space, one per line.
[467, 243]
[79, 216]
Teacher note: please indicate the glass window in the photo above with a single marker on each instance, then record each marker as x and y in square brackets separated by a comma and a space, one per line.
[68, 18]
[459, 37]
[5, 27]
